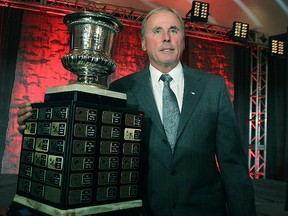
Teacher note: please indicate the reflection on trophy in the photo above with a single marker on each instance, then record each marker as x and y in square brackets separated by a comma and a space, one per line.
[82, 148]
[91, 40]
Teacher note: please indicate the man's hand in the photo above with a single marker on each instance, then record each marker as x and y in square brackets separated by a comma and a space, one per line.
[23, 114]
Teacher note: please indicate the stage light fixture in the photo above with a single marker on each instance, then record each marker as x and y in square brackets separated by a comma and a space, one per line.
[278, 47]
[199, 11]
[240, 31]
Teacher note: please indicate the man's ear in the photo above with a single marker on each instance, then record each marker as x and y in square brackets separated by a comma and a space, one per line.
[143, 44]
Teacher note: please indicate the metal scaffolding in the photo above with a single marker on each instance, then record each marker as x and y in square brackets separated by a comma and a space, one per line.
[257, 42]
[258, 112]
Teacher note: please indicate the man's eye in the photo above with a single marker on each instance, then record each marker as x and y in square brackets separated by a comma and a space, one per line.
[173, 31]
[157, 31]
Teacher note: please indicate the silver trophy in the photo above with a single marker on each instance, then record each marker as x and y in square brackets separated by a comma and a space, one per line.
[91, 40]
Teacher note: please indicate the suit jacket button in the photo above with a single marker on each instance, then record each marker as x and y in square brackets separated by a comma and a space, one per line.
[174, 205]
[173, 172]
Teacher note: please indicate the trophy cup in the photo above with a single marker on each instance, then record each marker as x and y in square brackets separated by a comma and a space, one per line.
[82, 148]
[91, 41]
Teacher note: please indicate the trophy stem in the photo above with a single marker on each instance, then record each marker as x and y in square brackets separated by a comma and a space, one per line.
[88, 79]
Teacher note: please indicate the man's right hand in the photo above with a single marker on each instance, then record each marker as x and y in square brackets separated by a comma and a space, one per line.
[23, 114]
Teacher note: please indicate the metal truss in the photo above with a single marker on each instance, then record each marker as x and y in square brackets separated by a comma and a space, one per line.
[258, 113]
[256, 41]
[127, 15]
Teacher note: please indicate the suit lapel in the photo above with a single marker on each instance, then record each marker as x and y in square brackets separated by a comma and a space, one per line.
[193, 88]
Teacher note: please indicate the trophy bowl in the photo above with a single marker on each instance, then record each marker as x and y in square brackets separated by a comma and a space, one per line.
[91, 40]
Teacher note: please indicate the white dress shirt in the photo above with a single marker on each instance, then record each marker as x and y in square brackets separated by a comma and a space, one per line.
[177, 85]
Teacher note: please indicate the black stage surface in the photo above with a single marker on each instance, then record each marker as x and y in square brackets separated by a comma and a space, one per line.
[270, 195]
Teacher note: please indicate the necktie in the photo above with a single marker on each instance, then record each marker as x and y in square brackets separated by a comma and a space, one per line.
[171, 112]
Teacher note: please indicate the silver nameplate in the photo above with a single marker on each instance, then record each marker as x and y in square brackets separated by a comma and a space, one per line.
[130, 163]
[109, 147]
[132, 120]
[58, 129]
[28, 143]
[109, 117]
[106, 193]
[108, 163]
[81, 179]
[84, 130]
[82, 163]
[83, 147]
[80, 196]
[109, 132]
[86, 115]
[131, 148]
[132, 134]
[55, 162]
[107, 178]
[128, 191]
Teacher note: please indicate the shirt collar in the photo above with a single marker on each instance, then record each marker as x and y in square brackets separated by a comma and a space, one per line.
[176, 73]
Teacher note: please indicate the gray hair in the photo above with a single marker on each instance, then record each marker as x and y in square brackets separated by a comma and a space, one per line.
[158, 10]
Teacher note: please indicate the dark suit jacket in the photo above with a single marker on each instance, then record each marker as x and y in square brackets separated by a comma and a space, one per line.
[188, 182]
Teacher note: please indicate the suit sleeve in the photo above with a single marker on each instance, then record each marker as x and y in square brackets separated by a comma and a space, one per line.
[232, 160]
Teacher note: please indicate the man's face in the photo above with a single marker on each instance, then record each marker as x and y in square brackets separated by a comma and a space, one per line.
[164, 40]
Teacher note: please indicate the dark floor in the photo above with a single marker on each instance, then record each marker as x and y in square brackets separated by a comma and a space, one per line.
[270, 195]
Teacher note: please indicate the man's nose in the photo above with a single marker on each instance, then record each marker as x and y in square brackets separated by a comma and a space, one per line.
[166, 37]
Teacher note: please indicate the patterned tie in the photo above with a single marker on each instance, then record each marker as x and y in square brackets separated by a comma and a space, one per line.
[171, 113]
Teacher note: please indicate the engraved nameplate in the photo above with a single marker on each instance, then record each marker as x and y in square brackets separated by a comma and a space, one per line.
[109, 147]
[131, 148]
[42, 144]
[45, 113]
[58, 129]
[108, 162]
[60, 113]
[84, 130]
[129, 177]
[40, 159]
[81, 179]
[37, 189]
[108, 132]
[25, 170]
[132, 134]
[87, 115]
[128, 191]
[133, 120]
[24, 185]
[27, 156]
[55, 162]
[44, 128]
[130, 163]
[56, 146]
[83, 147]
[28, 143]
[106, 193]
[31, 128]
[107, 178]
[80, 196]
[39, 174]
[82, 163]
[109, 117]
